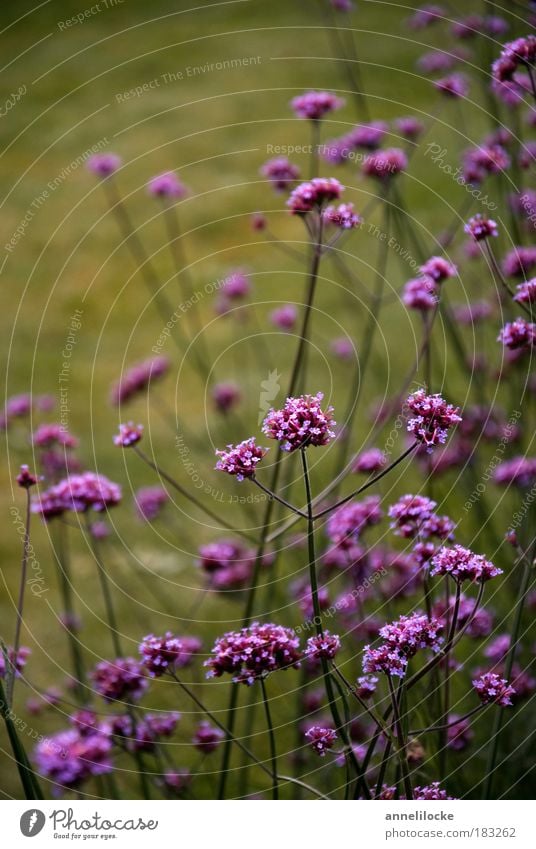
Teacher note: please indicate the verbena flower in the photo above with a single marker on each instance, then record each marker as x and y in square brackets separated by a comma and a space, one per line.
[323, 646]
[69, 758]
[129, 434]
[342, 216]
[384, 659]
[314, 194]
[346, 524]
[492, 689]
[301, 423]
[207, 737]
[520, 471]
[518, 335]
[281, 173]
[371, 460]
[366, 686]
[321, 739]
[459, 734]
[463, 565]
[414, 516]
[168, 652]
[240, 460]
[78, 493]
[420, 294]
[522, 52]
[454, 85]
[103, 164]
[315, 105]
[431, 791]
[167, 185]
[119, 680]
[385, 163]
[433, 417]
[25, 478]
[149, 501]
[137, 379]
[51, 435]
[408, 634]
[438, 268]
[284, 317]
[226, 396]
[253, 652]
[17, 663]
[479, 228]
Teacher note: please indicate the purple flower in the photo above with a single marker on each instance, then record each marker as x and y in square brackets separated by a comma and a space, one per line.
[492, 689]
[408, 634]
[343, 348]
[236, 285]
[518, 335]
[459, 734]
[463, 565]
[438, 269]
[281, 173]
[17, 663]
[128, 435]
[498, 648]
[368, 461]
[347, 523]
[284, 317]
[137, 379]
[436, 62]
[70, 757]
[479, 227]
[314, 105]
[254, 652]
[384, 659]
[25, 478]
[520, 471]
[454, 85]
[160, 654]
[50, 435]
[119, 680]
[366, 686]
[103, 164]
[78, 493]
[472, 313]
[167, 185]
[314, 194]
[207, 737]
[425, 16]
[240, 460]
[385, 163]
[522, 52]
[226, 396]
[433, 418]
[409, 127]
[414, 516]
[519, 262]
[431, 791]
[301, 423]
[321, 739]
[342, 216]
[149, 501]
[323, 646]
[420, 294]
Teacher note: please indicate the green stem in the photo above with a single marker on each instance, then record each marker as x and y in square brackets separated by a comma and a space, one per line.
[106, 593]
[271, 736]
[20, 603]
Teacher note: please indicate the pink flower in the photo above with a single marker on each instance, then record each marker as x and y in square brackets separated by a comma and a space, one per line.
[78, 493]
[347, 523]
[438, 269]
[49, 435]
[25, 478]
[526, 292]
[321, 739]
[455, 85]
[384, 659]
[479, 227]
[254, 652]
[342, 216]
[519, 334]
[385, 163]
[167, 185]
[207, 737]
[409, 127]
[313, 195]
[129, 434]
[240, 460]
[284, 317]
[463, 565]
[137, 379]
[162, 654]
[431, 791]
[420, 294]
[314, 105]
[519, 471]
[226, 396]
[301, 423]
[281, 173]
[369, 461]
[522, 52]
[103, 164]
[119, 680]
[492, 689]
[366, 686]
[411, 633]
[323, 647]
[149, 501]
[433, 418]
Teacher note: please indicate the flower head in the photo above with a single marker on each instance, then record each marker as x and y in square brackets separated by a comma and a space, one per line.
[526, 292]
[137, 379]
[463, 565]
[368, 461]
[522, 52]
[128, 435]
[479, 227]
[160, 654]
[438, 268]
[78, 493]
[71, 757]
[385, 659]
[314, 105]
[284, 317]
[431, 791]
[226, 396]
[167, 185]
[119, 680]
[301, 423]
[253, 652]
[433, 417]
[385, 163]
[421, 293]
[149, 501]
[51, 435]
[492, 689]
[454, 85]
[408, 634]
[323, 646]
[25, 478]
[103, 164]
[314, 194]
[519, 471]
[321, 739]
[342, 216]
[518, 335]
[240, 460]
[280, 172]
[207, 737]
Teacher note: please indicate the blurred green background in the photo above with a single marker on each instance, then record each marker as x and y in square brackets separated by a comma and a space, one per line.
[216, 128]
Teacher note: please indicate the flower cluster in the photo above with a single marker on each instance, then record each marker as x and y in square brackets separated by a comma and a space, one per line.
[160, 654]
[167, 185]
[323, 647]
[313, 195]
[119, 680]
[240, 460]
[207, 737]
[149, 501]
[281, 173]
[321, 739]
[301, 423]
[432, 418]
[314, 105]
[414, 516]
[408, 634]
[522, 52]
[77, 493]
[129, 434]
[385, 163]
[518, 335]
[347, 523]
[492, 689]
[463, 565]
[479, 228]
[254, 652]
[137, 379]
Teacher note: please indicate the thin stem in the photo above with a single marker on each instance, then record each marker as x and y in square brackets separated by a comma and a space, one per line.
[368, 484]
[20, 602]
[451, 724]
[27, 776]
[443, 749]
[278, 498]
[396, 699]
[271, 736]
[106, 592]
[500, 277]
[176, 485]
